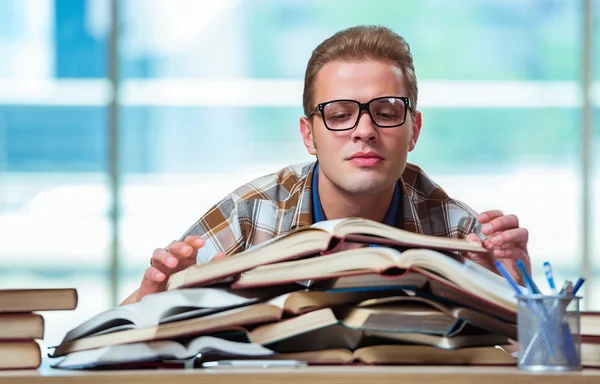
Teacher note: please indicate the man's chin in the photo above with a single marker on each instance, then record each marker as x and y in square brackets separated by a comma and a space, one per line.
[367, 185]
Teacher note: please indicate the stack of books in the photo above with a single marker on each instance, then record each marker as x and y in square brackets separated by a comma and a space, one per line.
[21, 327]
[590, 338]
[339, 292]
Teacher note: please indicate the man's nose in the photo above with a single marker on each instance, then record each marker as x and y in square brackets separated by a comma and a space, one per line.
[365, 129]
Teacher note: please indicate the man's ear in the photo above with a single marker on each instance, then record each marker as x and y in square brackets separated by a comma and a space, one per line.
[308, 138]
[417, 121]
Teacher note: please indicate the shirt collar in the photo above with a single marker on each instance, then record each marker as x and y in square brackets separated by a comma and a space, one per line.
[410, 218]
[303, 215]
[391, 216]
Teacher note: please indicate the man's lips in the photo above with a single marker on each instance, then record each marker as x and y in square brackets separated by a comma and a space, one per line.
[365, 159]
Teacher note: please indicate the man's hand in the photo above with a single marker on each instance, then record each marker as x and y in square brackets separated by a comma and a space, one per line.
[179, 256]
[506, 240]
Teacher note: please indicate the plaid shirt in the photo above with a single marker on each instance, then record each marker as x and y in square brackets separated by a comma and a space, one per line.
[275, 204]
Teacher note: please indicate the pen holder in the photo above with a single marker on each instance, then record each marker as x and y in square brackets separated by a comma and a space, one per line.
[549, 333]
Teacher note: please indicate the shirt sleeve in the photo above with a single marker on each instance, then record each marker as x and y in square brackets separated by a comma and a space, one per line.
[462, 219]
[220, 228]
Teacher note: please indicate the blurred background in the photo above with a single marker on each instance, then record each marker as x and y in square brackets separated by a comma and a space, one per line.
[122, 122]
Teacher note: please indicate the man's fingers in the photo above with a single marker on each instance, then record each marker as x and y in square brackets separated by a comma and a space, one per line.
[152, 277]
[500, 224]
[195, 241]
[164, 263]
[151, 282]
[177, 250]
[180, 249]
[487, 216]
[514, 236]
[161, 257]
[473, 238]
[513, 252]
[219, 256]
[482, 259]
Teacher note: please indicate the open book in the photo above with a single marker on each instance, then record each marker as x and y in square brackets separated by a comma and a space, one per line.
[166, 307]
[325, 329]
[415, 314]
[154, 351]
[464, 273]
[273, 310]
[319, 238]
[314, 330]
[406, 354]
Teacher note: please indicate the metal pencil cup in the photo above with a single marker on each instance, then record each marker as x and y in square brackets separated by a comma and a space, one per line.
[549, 333]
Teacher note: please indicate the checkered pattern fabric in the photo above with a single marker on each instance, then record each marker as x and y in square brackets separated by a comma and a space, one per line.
[275, 204]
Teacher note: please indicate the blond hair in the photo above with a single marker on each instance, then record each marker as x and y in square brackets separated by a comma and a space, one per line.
[358, 44]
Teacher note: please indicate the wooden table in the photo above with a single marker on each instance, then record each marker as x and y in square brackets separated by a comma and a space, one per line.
[313, 375]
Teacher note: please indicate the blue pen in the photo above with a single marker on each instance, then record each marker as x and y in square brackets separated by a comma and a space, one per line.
[578, 285]
[550, 277]
[528, 280]
[507, 276]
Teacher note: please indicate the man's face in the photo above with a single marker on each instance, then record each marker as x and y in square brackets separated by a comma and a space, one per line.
[367, 159]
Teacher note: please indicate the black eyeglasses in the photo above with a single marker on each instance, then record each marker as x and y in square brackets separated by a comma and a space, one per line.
[342, 115]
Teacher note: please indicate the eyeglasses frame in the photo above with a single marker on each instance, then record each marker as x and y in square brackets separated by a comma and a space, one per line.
[362, 107]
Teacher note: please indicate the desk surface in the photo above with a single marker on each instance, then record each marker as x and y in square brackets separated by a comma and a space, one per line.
[330, 375]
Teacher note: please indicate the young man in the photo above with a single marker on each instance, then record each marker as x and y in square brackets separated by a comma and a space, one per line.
[361, 120]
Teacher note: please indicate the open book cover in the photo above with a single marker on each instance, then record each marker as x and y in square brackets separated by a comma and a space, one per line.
[320, 238]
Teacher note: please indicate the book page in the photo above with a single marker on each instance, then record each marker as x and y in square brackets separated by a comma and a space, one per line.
[328, 225]
[161, 307]
[222, 347]
[184, 303]
[359, 226]
[296, 244]
[467, 274]
[159, 350]
[118, 318]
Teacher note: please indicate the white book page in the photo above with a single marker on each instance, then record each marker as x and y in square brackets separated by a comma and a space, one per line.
[169, 303]
[160, 350]
[114, 317]
[327, 225]
[466, 274]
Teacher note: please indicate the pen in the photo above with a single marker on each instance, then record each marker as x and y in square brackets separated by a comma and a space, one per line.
[253, 364]
[507, 276]
[567, 288]
[578, 285]
[550, 277]
[528, 280]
